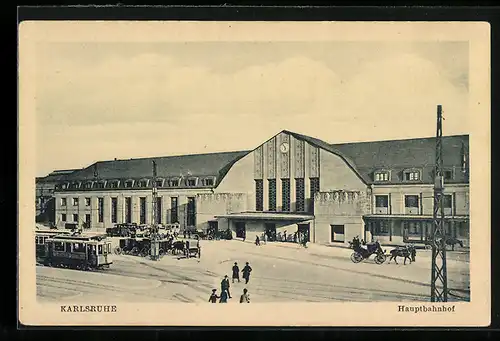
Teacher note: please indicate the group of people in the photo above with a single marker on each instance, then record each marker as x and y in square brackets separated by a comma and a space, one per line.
[225, 285]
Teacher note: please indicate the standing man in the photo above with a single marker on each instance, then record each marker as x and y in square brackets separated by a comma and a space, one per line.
[246, 272]
[199, 247]
[187, 248]
[224, 285]
[257, 241]
[236, 272]
[245, 298]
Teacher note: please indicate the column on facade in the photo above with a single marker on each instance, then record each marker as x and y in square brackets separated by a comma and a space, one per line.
[165, 208]
[307, 181]
[120, 208]
[265, 172]
[94, 213]
[135, 202]
[107, 211]
[182, 210]
[293, 196]
[149, 209]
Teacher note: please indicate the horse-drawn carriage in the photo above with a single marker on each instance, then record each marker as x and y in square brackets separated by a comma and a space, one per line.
[122, 230]
[361, 253]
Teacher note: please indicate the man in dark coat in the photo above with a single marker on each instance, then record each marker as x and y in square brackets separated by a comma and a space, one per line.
[246, 272]
[213, 298]
[224, 285]
[187, 249]
[223, 297]
[236, 272]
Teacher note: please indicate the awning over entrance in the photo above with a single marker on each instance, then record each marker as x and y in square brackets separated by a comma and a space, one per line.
[280, 216]
[413, 218]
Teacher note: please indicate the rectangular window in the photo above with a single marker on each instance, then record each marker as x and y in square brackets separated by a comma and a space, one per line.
[87, 201]
[285, 195]
[191, 212]
[75, 218]
[159, 183]
[63, 217]
[100, 209]
[314, 184]
[447, 201]
[142, 210]
[129, 184]
[259, 195]
[381, 228]
[128, 209]
[272, 194]
[75, 201]
[87, 221]
[382, 176]
[174, 213]
[143, 183]
[209, 182]
[174, 183]
[412, 176]
[381, 201]
[448, 174]
[337, 233]
[158, 210]
[299, 193]
[191, 182]
[63, 201]
[114, 210]
[411, 201]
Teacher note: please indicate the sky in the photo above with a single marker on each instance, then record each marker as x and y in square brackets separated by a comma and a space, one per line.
[100, 101]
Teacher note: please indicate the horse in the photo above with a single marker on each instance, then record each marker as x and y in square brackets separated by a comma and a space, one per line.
[452, 241]
[407, 252]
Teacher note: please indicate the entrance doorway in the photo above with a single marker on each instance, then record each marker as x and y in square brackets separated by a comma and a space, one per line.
[240, 230]
[213, 228]
[303, 232]
[271, 232]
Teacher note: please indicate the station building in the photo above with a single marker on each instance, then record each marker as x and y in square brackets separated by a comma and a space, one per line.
[329, 192]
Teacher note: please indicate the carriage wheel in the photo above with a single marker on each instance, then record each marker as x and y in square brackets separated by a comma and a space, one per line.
[161, 253]
[117, 250]
[134, 251]
[380, 259]
[144, 252]
[356, 257]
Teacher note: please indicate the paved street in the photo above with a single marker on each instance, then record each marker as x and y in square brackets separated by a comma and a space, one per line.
[281, 272]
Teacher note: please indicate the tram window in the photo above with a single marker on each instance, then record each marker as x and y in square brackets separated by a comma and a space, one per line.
[68, 247]
[59, 246]
[109, 248]
[78, 247]
[99, 249]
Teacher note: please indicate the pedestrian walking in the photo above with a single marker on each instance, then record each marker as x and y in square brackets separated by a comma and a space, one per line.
[184, 233]
[245, 297]
[284, 235]
[246, 272]
[264, 238]
[236, 272]
[199, 247]
[257, 241]
[224, 285]
[213, 297]
[187, 248]
[223, 297]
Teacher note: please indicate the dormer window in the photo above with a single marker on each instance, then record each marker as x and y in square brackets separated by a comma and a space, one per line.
[448, 174]
[129, 183]
[143, 183]
[208, 181]
[412, 175]
[114, 184]
[88, 185]
[191, 182]
[159, 182]
[64, 186]
[173, 183]
[75, 185]
[381, 176]
[101, 184]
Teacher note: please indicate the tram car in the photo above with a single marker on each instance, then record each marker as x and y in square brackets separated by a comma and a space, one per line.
[41, 237]
[82, 252]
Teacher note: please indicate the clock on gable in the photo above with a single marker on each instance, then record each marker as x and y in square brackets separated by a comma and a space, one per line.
[284, 147]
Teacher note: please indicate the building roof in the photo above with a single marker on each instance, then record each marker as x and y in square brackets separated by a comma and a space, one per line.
[56, 175]
[196, 165]
[400, 155]
[397, 156]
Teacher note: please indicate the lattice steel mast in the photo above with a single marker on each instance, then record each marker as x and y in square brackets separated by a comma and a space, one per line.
[439, 287]
[154, 220]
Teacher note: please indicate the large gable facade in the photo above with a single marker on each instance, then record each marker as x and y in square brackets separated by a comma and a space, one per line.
[290, 184]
